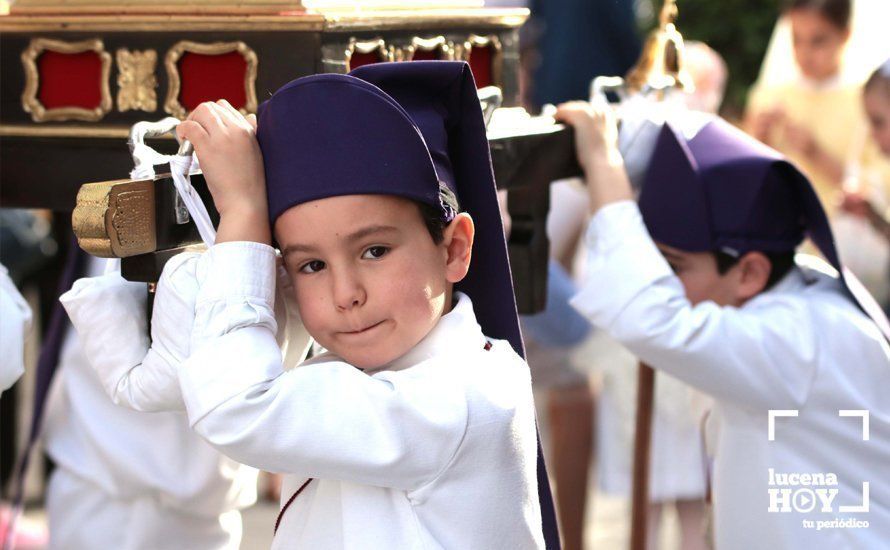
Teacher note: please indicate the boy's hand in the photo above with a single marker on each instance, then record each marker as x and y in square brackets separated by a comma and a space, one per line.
[226, 146]
[596, 144]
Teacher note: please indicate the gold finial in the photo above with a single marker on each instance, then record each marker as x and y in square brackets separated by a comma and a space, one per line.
[668, 13]
[661, 63]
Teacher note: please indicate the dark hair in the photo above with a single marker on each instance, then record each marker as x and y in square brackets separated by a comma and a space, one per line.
[880, 78]
[434, 216]
[837, 12]
[781, 263]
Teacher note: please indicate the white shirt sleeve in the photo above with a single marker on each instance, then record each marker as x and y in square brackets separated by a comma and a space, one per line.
[109, 314]
[761, 355]
[15, 323]
[325, 419]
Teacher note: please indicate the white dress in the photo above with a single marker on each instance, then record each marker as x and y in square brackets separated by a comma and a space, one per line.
[802, 346]
[126, 479]
[437, 450]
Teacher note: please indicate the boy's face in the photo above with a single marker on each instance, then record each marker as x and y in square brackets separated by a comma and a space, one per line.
[702, 281]
[818, 43]
[369, 280]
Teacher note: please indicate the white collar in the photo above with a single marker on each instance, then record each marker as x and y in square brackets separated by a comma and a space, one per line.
[807, 271]
[455, 332]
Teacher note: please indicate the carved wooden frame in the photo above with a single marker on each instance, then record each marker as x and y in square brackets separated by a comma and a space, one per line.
[462, 52]
[368, 46]
[136, 80]
[435, 43]
[174, 82]
[30, 102]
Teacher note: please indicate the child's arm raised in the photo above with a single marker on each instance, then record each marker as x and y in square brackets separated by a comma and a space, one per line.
[759, 356]
[596, 144]
[226, 146]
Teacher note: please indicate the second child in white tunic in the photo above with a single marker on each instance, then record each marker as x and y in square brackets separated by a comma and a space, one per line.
[802, 345]
[788, 352]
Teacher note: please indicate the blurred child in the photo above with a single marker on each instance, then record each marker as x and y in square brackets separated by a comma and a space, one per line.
[813, 118]
[704, 286]
[816, 120]
[876, 98]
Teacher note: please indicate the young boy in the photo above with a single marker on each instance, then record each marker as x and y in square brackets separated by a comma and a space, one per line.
[415, 429]
[703, 286]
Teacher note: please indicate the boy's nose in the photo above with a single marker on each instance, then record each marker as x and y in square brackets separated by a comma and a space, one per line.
[348, 292]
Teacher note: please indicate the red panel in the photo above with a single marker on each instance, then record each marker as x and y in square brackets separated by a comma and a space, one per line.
[359, 59]
[481, 59]
[426, 55]
[70, 79]
[212, 77]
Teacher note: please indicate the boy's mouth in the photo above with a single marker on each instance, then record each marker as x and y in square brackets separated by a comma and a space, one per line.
[363, 330]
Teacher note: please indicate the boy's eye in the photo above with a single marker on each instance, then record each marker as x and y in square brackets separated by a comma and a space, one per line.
[374, 252]
[312, 267]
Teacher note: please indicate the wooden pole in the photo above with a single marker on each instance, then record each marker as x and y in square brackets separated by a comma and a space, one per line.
[642, 451]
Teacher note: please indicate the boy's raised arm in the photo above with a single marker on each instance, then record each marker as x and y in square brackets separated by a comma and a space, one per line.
[631, 291]
[226, 146]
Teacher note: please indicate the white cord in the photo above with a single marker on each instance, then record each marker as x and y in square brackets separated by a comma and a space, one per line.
[180, 169]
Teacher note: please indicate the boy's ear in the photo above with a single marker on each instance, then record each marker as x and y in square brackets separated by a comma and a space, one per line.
[458, 242]
[754, 270]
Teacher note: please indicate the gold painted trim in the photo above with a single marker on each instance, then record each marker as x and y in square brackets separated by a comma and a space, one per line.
[368, 46]
[462, 52]
[158, 19]
[32, 105]
[154, 23]
[436, 43]
[421, 18]
[172, 105]
[136, 80]
[23, 7]
[73, 131]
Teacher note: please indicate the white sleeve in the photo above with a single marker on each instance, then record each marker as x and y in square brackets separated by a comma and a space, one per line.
[328, 419]
[109, 314]
[15, 323]
[761, 355]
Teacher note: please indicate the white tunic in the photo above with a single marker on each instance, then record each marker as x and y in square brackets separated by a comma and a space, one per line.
[15, 322]
[437, 450]
[150, 469]
[801, 346]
